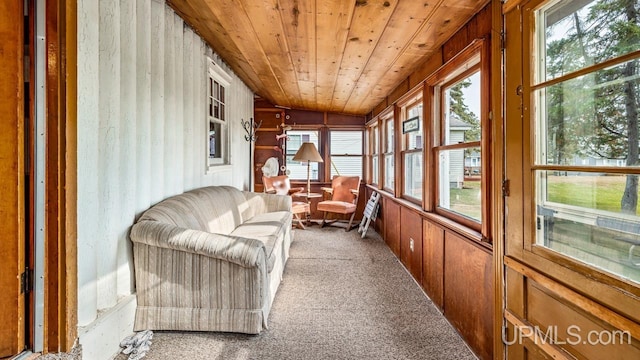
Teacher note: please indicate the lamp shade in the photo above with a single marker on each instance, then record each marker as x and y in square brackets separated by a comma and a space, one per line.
[308, 152]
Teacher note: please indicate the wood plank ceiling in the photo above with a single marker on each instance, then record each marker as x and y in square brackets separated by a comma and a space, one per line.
[339, 56]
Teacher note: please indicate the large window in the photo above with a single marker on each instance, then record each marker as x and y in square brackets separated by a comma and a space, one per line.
[412, 143]
[459, 142]
[346, 152]
[585, 96]
[389, 162]
[217, 138]
[298, 170]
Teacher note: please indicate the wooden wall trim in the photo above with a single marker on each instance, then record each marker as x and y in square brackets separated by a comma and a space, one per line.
[60, 306]
[552, 350]
[578, 300]
[497, 161]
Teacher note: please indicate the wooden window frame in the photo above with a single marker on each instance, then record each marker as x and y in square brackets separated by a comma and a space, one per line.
[446, 75]
[322, 145]
[362, 148]
[412, 99]
[372, 151]
[526, 248]
[387, 116]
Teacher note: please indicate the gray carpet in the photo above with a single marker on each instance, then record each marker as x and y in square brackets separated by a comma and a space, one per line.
[342, 297]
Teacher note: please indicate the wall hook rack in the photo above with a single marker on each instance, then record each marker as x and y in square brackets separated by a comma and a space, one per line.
[250, 127]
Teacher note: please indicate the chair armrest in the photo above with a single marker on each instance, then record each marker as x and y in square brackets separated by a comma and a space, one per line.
[355, 192]
[326, 189]
[296, 190]
[235, 249]
[270, 191]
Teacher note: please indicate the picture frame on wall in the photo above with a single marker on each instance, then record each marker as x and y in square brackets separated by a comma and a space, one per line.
[411, 124]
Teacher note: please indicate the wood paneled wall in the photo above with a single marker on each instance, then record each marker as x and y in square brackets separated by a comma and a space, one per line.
[455, 271]
[266, 145]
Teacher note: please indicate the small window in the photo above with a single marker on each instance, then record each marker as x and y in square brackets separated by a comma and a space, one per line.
[346, 153]
[374, 150]
[298, 170]
[411, 115]
[218, 83]
[389, 162]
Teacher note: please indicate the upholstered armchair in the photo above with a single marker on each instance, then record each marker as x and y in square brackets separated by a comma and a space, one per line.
[342, 198]
[281, 185]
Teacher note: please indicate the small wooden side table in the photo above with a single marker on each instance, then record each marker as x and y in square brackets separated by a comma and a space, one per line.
[307, 196]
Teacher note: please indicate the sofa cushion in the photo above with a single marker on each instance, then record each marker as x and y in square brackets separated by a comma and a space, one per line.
[268, 228]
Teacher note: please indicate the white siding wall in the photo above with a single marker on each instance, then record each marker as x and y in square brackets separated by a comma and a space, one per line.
[142, 136]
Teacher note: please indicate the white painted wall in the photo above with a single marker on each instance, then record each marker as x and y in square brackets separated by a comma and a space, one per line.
[142, 137]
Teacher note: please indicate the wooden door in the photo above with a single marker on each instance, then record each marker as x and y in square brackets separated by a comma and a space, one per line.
[12, 187]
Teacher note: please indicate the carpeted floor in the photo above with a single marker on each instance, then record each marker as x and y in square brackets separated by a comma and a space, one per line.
[342, 297]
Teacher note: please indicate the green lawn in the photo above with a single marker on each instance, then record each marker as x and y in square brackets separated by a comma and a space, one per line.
[593, 192]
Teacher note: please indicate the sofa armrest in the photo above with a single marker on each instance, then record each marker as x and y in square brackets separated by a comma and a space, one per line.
[235, 249]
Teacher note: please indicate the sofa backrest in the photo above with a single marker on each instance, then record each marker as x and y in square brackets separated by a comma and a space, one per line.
[215, 209]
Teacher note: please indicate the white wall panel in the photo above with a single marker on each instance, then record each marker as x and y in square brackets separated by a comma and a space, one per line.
[142, 137]
[88, 100]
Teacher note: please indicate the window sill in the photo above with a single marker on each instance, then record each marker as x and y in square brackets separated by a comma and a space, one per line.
[218, 168]
[450, 225]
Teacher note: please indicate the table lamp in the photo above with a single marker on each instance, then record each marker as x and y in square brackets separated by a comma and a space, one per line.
[308, 153]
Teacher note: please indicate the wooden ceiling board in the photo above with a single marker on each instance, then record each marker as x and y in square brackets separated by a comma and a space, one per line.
[330, 55]
[299, 22]
[333, 21]
[233, 18]
[207, 26]
[367, 28]
[410, 19]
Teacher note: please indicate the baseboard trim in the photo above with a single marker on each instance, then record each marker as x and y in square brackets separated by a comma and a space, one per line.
[100, 339]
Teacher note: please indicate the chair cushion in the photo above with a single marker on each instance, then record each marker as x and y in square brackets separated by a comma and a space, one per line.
[267, 227]
[339, 207]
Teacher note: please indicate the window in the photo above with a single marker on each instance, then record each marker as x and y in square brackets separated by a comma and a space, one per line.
[389, 169]
[374, 150]
[298, 170]
[411, 116]
[346, 152]
[217, 142]
[585, 94]
[459, 142]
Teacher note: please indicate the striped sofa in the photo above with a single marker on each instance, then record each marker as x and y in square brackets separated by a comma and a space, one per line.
[210, 259]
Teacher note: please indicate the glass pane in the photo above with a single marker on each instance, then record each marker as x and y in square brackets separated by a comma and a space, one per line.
[222, 94]
[586, 121]
[389, 131]
[592, 217]
[457, 192]
[389, 175]
[375, 142]
[346, 143]
[215, 140]
[375, 169]
[346, 166]
[415, 137]
[298, 169]
[462, 111]
[578, 34]
[413, 175]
